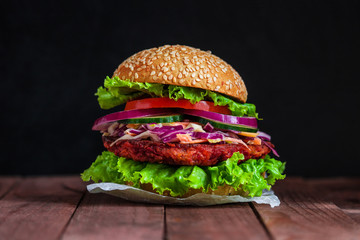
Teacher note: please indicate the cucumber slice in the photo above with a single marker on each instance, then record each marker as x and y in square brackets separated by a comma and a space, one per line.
[222, 125]
[155, 119]
[180, 117]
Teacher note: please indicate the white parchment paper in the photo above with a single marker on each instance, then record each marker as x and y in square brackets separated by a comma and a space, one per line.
[200, 199]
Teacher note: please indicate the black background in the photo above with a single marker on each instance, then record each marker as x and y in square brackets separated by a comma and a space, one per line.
[300, 63]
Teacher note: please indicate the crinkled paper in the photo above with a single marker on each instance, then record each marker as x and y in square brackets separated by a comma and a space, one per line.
[200, 199]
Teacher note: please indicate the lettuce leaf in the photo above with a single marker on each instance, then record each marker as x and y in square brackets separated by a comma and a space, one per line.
[178, 180]
[117, 92]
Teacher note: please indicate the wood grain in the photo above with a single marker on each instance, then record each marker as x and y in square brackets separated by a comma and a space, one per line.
[304, 215]
[39, 207]
[6, 183]
[61, 208]
[232, 221]
[344, 192]
[101, 216]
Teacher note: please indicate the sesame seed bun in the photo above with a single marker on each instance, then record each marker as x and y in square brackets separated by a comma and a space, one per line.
[183, 66]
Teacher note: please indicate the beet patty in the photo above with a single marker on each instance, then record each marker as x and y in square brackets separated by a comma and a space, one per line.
[182, 154]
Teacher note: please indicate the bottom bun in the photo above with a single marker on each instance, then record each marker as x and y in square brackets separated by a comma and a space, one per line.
[225, 190]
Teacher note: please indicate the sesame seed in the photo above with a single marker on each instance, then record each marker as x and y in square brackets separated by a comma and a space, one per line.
[193, 82]
[152, 73]
[214, 79]
[165, 77]
[170, 77]
[197, 68]
[165, 69]
[129, 74]
[193, 75]
[198, 80]
[155, 77]
[159, 74]
[172, 68]
[181, 81]
[217, 88]
[162, 64]
[136, 76]
[180, 75]
[201, 76]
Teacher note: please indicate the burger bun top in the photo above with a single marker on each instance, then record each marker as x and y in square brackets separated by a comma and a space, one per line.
[183, 66]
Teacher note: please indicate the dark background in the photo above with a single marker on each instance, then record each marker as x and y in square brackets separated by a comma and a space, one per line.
[300, 63]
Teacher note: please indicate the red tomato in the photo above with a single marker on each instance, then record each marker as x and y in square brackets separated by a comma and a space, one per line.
[170, 103]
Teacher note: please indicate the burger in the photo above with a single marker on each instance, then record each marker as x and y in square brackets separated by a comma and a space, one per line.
[180, 125]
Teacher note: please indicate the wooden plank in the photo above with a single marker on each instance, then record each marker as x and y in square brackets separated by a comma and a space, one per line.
[231, 221]
[39, 207]
[344, 192]
[102, 216]
[303, 215]
[6, 183]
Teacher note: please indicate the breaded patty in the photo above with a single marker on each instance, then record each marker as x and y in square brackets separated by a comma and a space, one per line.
[203, 154]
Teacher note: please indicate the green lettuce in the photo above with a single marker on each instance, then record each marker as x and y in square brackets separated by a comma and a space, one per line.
[178, 180]
[119, 91]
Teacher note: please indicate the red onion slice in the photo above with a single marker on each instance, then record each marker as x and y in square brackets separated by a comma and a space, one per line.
[228, 119]
[102, 122]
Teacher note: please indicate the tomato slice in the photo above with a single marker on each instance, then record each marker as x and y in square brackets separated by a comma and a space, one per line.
[170, 103]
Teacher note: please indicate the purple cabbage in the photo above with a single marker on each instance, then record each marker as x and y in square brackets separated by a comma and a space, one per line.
[204, 135]
[208, 127]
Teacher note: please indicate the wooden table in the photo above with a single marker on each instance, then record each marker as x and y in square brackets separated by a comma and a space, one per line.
[59, 207]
